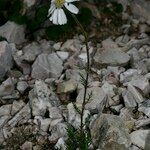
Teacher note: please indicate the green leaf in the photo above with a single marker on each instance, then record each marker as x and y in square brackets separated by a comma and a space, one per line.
[3, 4]
[41, 13]
[18, 18]
[118, 8]
[85, 16]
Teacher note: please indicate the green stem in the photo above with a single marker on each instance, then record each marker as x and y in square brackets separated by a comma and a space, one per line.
[87, 72]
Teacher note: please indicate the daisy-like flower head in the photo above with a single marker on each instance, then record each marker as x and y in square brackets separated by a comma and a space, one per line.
[56, 12]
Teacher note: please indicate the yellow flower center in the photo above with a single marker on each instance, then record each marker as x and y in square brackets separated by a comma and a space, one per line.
[59, 3]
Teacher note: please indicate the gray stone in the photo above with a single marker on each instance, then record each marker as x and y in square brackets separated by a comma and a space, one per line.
[116, 108]
[138, 97]
[5, 110]
[109, 89]
[17, 106]
[22, 86]
[128, 75]
[7, 87]
[29, 3]
[31, 51]
[74, 117]
[138, 138]
[136, 43]
[27, 146]
[42, 123]
[109, 130]
[13, 32]
[58, 131]
[55, 113]
[63, 55]
[21, 117]
[71, 45]
[109, 44]
[98, 99]
[60, 144]
[129, 99]
[123, 40]
[66, 86]
[112, 57]
[23, 66]
[42, 98]
[140, 9]
[145, 107]
[142, 123]
[141, 83]
[4, 120]
[47, 66]
[57, 46]
[6, 61]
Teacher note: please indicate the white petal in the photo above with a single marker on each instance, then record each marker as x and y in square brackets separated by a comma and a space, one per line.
[51, 10]
[55, 17]
[72, 8]
[62, 17]
[69, 1]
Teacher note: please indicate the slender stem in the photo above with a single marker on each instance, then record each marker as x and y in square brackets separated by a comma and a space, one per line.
[87, 72]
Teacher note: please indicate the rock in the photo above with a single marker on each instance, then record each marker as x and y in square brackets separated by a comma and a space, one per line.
[55, 113]
[7, 87]
[22, 65]
[112, 57]
[83, 57]
[128, 116]
[1, 137]
[141, 83]
[60, 144]
[142, 123]
[63, 55]
[29, 3]
[45, 66]
[42, 123]
[116, 109]
[98, 99]
[123, 40]
[13, 32]
[4, 120]
[66, 86]
[57, 46]
[21, 117]
[109, 44]
[58, 131]
[109, 130]
[147, 144]
[31, 51]
[5, 110]
[138, 138]
[17, 106]
[129, 99]
[145, 107]
[109, 89]
[6, 61]
[22, 86]
[138, 97]
[74, 117]
[27, 146]
[71, 45]
[140, 9]
[42, 98]
[136, 43]
[128, 75]
[14, 96]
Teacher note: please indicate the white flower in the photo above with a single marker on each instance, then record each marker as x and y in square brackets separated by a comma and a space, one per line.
[56, 12]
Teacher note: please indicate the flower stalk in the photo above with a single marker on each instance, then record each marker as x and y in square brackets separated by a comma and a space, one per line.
[87, 72]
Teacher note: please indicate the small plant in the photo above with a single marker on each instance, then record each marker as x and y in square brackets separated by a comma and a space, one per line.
[77, 138]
